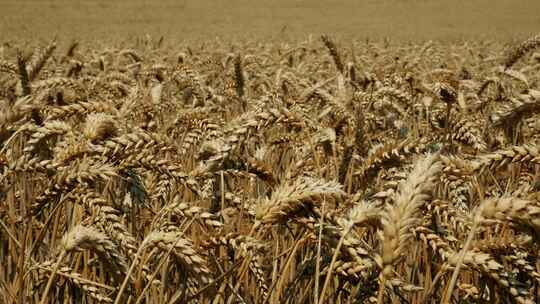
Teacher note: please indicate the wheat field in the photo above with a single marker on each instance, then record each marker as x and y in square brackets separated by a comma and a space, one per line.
[318, 169]
[271, 20]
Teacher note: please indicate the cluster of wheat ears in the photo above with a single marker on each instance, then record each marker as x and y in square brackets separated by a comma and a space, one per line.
[249, 172]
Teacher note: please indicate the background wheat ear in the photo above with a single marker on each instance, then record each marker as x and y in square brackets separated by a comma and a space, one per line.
[521, 50]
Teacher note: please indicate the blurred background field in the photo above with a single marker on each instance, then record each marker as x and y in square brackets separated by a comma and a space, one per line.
[199, 19]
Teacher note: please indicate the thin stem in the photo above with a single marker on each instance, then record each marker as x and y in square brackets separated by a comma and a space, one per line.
[435, 281]
[128, 274]
[51, 278]
[464, 250]
[232, 288]
[380, 294]
[318, 260]
[289, 257]
[334, 258]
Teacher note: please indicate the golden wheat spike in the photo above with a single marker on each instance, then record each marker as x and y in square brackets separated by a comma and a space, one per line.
[399, 219]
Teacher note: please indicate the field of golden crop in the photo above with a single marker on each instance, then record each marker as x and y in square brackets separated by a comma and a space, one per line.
[273, 20]
[279, 170]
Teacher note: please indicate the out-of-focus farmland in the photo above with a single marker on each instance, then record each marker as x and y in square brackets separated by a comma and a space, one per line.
[399, 19]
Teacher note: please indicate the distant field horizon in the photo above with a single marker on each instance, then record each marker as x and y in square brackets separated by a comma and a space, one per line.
[200, 20]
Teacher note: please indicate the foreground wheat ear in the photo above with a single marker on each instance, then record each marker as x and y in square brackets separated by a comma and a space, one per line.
[399, 218]
[322, 170]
